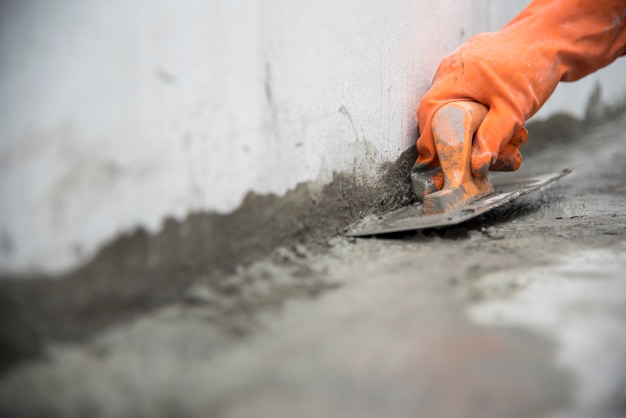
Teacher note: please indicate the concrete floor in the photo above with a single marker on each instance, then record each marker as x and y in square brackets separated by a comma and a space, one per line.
[520, 313]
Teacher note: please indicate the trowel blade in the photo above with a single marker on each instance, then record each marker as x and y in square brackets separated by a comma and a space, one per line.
[410, 218]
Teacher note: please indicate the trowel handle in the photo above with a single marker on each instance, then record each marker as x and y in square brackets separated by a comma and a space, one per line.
[453, 128]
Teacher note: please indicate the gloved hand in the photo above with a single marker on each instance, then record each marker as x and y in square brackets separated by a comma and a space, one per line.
[513, 72]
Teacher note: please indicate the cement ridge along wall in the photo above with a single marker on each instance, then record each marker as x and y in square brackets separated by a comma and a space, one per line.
[139, 271]
[117, 116]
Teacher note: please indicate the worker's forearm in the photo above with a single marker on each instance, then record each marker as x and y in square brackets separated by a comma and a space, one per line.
[580, 36]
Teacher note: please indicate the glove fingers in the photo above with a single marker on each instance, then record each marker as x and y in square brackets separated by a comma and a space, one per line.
[494, 132]
[425, 180]
[426, 151]
[426, 175]
[510, 158]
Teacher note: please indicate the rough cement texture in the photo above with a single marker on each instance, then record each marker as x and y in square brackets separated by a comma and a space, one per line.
[139, 272]
[515, 314]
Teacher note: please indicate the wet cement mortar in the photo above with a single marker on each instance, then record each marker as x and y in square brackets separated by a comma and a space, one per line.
[140, 272]
[519, 313]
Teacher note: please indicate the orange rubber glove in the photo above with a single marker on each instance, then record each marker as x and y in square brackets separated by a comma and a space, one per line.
[513, 72]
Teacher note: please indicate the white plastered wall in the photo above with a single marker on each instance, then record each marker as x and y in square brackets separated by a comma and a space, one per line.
[118, 114]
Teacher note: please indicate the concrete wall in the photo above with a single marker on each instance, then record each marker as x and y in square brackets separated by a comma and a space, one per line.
[117, 114]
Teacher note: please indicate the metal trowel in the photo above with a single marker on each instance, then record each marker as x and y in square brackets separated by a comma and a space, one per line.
[463, 195]
[413, 218]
